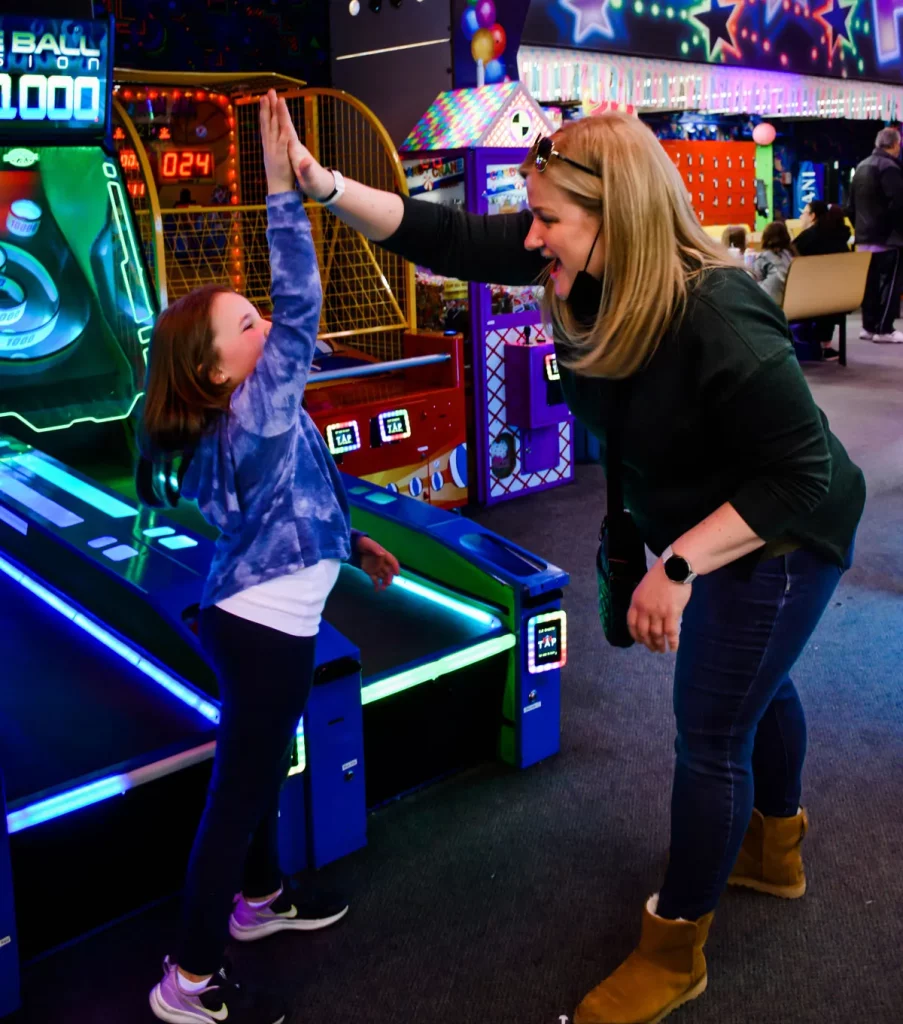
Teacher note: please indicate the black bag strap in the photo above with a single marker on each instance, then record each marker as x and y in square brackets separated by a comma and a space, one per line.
[614, 448]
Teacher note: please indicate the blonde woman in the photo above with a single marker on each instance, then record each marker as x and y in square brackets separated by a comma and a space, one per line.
[731, 474]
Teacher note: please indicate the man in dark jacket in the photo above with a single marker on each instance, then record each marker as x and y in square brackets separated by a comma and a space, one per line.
[876, 209]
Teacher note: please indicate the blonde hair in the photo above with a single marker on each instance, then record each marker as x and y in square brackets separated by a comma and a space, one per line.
[654, 245]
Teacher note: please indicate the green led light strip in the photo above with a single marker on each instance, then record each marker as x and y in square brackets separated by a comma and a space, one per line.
[130, 249]
[414, 677]
[434, 669]
[80, 419]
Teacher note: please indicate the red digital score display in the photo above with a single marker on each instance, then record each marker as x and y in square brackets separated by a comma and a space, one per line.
[182, 164]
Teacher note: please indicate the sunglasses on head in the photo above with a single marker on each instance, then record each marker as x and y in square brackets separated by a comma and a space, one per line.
[545, 150]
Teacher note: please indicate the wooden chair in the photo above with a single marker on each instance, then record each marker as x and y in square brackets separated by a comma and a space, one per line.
[826, 286]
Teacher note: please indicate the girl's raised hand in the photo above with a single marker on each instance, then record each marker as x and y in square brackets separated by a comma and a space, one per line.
[315, 180]
[276, 131]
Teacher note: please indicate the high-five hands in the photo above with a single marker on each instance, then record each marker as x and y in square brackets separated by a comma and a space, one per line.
[286, 156]
[276, 133]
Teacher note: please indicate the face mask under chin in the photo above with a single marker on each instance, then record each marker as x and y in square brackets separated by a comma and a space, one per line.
[585, 295]
[584, 298]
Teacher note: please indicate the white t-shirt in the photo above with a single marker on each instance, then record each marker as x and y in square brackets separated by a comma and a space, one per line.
[292, 603]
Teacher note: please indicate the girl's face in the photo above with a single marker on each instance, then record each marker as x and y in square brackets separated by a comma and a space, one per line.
[239, 334]
[564, 232]
[807, 218]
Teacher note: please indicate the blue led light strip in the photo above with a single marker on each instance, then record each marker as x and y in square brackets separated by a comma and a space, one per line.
[80, 489]
[179, 690]
[104, 789]
[114, 785]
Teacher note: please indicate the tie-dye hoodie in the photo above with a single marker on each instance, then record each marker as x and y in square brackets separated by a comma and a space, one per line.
[262, 474]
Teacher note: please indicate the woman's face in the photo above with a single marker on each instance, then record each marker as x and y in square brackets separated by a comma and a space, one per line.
[564, 232]
[807, 218]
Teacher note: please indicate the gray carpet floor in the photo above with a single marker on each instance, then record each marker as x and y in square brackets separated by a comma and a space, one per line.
[503, 897]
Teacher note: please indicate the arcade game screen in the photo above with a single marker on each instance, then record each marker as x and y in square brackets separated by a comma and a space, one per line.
[76, 310]
[442, 303]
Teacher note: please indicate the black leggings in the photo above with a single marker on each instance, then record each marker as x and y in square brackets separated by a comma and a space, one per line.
[264, 679]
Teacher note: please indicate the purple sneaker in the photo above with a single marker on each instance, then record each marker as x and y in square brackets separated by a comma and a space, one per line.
[222, 999]
[290, 910]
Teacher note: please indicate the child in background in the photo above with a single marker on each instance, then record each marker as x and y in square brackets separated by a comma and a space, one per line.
[227, 387]
[773, 262]
[734, 237]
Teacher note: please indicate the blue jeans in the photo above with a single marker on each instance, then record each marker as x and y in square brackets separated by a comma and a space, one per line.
[741, 731]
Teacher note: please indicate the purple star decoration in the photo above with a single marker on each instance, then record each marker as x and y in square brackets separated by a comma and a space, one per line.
[590, 16]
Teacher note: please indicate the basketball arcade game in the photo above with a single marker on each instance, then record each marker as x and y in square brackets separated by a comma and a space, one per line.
[188, 145]
[465, 151]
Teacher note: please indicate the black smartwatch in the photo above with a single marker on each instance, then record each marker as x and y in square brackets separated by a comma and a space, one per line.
[677, 569]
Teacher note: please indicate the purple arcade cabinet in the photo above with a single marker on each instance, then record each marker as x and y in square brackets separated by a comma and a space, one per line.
[465, 151]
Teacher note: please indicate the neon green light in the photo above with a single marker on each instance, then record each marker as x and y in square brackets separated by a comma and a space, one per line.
[434, 669]
[85, 492]
[130, 252]
[300, 746]
[430, 593]
[81, 419]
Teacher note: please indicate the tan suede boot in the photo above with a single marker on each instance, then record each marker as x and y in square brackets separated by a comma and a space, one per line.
[770, 859]
[666, 970]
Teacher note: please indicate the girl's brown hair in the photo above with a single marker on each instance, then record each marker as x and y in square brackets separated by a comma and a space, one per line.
[181, 399]
[735, 235]
[776, 237]
[654, 245]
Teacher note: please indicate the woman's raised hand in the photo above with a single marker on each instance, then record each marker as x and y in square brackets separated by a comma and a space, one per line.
[276, 131]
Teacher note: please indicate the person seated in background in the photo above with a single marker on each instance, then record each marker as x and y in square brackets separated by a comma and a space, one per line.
[734, 237]
[824, 230]
[773, 262]
[186, 199]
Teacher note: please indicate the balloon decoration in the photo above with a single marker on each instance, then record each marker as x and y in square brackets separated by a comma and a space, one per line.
[487, 38]
[764, 134]
[486, 13]
[494, 71]
[482, 46]
[499, 39]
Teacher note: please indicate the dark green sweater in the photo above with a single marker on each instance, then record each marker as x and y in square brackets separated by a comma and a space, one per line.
[721, 413]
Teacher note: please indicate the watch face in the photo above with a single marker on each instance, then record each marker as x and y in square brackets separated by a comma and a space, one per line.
[677, 569]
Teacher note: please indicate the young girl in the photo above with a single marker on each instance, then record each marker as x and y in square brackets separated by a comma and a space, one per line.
[773, 262]
[227, 386]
